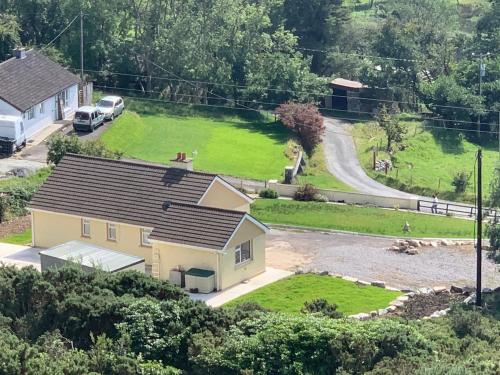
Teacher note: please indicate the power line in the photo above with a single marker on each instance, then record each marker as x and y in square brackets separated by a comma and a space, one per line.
[422, 118]
[275, 89]
[63, 30]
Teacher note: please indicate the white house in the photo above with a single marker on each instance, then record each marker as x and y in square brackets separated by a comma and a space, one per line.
[36, 89]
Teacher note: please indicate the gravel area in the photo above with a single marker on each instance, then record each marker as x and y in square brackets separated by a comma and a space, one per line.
[367, 258]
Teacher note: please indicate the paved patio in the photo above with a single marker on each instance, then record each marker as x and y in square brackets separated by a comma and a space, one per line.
[19, 255]
[219, 298]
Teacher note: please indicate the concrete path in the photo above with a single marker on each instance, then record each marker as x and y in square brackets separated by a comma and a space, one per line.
[367, 258]
[219, 298]
[20, 255]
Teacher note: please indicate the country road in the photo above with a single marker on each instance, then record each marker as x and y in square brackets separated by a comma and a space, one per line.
[342, 161]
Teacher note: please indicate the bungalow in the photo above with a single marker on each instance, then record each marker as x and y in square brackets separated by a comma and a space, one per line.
[36, 89]
[174, 218]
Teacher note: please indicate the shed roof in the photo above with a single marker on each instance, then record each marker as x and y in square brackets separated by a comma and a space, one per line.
[341, 82]
[92, 256]
[33, 79]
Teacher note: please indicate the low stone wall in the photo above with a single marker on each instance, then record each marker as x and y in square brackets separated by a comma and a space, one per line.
[17, 225]
[348, 197]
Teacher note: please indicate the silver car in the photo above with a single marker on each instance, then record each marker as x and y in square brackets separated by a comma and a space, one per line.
[110, 106]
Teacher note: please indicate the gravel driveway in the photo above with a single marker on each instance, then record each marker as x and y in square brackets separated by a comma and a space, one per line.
[366, 258]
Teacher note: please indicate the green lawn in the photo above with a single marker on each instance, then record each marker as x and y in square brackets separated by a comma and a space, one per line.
[434, 156]
[288, 295]
[23, 238]
[360, 219]
[227, 144]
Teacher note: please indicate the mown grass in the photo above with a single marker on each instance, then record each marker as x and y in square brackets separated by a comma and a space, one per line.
[34, 179]
[428, 162]
[23, 238]
[224, 143]
[368, 220]
[290, 294]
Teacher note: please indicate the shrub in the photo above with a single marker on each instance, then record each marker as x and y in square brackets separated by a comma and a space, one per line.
[60, 145]
[268, 194]
[306, 192]
[321, 306]
[305, 120]
[461, 181]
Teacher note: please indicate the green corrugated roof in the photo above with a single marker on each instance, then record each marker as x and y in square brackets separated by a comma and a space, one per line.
[199, 272]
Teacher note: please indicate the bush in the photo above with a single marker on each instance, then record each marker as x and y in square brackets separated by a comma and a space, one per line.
[461, 181]
[60, 145]
[322, 306]
[305, 193]
[268, 194]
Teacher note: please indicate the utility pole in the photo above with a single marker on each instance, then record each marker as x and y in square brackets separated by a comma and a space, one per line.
[81, 45]
[479, 219]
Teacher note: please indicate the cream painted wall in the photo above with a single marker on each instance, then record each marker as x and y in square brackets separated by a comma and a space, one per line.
[50, 229]
[230, 273]
[220, 196]
[172, 256]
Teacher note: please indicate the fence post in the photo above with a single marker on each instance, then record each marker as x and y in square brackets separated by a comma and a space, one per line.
[447, 206]
[418, 205]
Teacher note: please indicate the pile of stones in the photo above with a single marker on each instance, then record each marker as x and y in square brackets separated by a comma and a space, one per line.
[411, 246]
[380, 165]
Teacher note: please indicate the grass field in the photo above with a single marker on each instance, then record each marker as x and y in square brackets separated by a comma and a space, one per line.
[23, 238]
[360, 219]
[290, 294]
[252, 146]
[434, 157]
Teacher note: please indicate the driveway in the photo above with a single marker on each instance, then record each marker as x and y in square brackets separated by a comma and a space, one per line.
[367, 258]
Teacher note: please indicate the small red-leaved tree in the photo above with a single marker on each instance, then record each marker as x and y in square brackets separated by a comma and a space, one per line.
[305, 120]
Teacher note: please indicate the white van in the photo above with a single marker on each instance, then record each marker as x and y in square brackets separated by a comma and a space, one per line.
[12, 137]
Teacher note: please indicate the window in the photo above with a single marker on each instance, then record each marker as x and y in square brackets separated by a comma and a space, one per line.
[31, 113]
[65, 98]
[85, 228]
[243, 253]
[145, 233]
[42, 108]
[111, 232]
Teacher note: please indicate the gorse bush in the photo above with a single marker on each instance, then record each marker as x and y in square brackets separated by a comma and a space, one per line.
[306, 192]
[461, 181]
[322, 306]
[268, 194]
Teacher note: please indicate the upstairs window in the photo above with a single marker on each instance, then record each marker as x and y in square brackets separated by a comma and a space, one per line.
[243, 253]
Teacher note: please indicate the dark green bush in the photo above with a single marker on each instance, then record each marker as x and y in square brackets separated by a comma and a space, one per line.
[306, 192]
[322, 306]
[268, 194]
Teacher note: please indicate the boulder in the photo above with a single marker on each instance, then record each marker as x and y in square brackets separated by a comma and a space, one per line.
[397, 303]
[348, 278]
[468, 290]
[324, 273]
[391, 308]
[424, 291]
[456, 289]
[446, 243]
[414, 243]
[373, 313]
[393, 248]
[433, 244]
[402, 298]
[382, 312]
[403, 248]
[361, 316]
[392, 289]
[487, 290]
[440, 289]
[362, 282]
[411, 252]
[378, 283]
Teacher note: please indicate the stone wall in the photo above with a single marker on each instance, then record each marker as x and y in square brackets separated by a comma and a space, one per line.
[17, 225]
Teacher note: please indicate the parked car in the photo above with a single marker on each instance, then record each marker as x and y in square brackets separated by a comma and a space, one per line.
[87, 118]
[12, 137]
[111, 106]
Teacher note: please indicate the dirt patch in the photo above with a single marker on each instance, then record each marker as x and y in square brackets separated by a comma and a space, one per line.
[17, 225]
[421, 305]
[283, 256]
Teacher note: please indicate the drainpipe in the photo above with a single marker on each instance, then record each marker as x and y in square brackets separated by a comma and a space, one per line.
[218, 274]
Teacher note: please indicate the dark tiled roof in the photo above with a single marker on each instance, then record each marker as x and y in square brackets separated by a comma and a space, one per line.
[125, 192]
[29, 81]
[197, 225]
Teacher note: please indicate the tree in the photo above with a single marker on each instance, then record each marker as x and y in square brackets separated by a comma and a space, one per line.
[305, 120]
[394, 131]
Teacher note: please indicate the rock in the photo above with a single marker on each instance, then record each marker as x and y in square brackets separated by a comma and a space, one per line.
[373, 313]
[361, 316]
[445, 243]
[487, 290]
[324, 273]
[440, 289]
[403, 247]
[422, 243]
[414, 243]
[382, 312]
[362, 282]
[379, 284]
[397, 303]
[393, 248]
[403, 298]
[468, 290]
[411, 252]
[392, 289]
[456, 289]
[408, 291]
[424, 290]
[348, 278]
[410, 294]
[391, 308]
[433, 244]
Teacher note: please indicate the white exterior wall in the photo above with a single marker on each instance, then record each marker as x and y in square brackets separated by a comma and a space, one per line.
[33, 126]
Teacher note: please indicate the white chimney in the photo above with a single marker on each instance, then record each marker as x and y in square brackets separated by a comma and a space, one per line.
[20, 53]
[181, 162]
